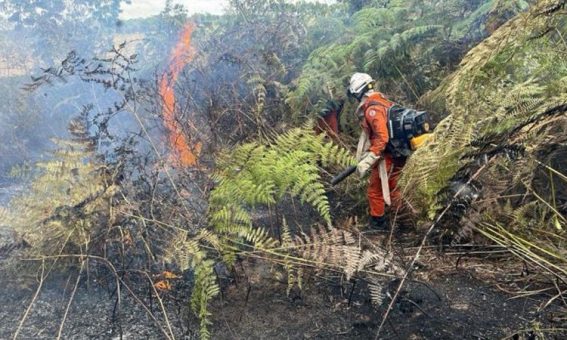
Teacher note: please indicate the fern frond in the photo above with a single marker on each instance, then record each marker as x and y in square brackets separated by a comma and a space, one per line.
[205, 289]
[261, 175]
[376, 294]
[4, 213]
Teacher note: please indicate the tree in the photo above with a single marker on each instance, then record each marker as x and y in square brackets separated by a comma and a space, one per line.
[58, 26]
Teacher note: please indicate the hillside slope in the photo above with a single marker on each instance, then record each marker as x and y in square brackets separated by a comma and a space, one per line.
[506, 134]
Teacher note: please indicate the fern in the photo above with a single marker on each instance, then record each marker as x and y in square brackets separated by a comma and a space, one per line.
[334, 248]
[4, 215]
[191, 253]
[293, 273]
[258, 86]
[262, 175]
[21, 171]
[376, 294]
[64, 199]
[204, 290]
[249, 176]
[399, 43]
[506, 125]
[487, 102]
[383, 56]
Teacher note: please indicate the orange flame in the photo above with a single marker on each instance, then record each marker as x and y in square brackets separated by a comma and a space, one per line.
[182, 54]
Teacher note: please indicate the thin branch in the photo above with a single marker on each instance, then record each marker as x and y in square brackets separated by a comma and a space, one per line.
[42, 279]
[70, 301]
[410, 268]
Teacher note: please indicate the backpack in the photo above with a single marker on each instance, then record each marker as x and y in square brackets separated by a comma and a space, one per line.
[409, 129]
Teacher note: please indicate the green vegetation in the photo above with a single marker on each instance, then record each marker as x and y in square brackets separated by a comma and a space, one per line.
[507, 105]
[253, 176]
[409, 46]
[67, 201]
[111, 200]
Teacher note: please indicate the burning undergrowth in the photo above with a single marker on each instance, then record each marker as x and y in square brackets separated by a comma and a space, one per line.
[135, 204]
[177, 176]
[184, 152]
[108, 200]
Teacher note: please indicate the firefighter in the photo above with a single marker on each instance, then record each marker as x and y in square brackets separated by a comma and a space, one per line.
[372, 153]
[328, 119]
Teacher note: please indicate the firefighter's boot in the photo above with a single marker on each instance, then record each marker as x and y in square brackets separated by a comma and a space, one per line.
[378, 223]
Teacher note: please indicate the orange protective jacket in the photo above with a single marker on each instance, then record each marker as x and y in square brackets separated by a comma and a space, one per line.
[375, 123]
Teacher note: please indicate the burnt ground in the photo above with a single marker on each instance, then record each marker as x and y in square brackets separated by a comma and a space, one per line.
[445, 301]
[457, 304]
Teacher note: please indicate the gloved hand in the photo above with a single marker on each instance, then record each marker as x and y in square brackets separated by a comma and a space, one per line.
[367, 161]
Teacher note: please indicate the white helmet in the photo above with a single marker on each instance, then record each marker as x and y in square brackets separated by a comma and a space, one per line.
[359, 84]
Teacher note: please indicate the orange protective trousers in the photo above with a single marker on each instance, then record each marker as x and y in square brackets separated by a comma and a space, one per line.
[375, 195]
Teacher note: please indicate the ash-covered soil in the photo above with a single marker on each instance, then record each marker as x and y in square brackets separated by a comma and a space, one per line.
[93, 313]
[452, 306]
[444, 301]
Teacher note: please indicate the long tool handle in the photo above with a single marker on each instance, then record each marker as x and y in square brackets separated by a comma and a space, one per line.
[341, 177]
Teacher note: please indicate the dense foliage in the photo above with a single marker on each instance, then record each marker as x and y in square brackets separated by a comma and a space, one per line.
[507, 105]
[409, 46]
[110, 195]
